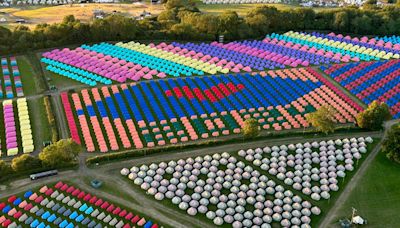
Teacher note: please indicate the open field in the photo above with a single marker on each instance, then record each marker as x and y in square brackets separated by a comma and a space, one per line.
[376, 198]
[53, 14]
[242, 9]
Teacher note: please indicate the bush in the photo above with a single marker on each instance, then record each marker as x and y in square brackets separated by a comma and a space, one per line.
[25, 162]
[373, 117]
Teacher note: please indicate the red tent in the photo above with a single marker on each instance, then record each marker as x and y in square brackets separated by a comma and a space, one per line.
[110, 208]
[99, 202]
[76, 192]
[81, 195]
[49, 192]
[64, 187]
[12, 198]
[135, 219]
[116, 211]
[129, 216]
[87, 197]
[93, 199]
[59, 184]
[105, 205]
[123, 213]
[70, 189]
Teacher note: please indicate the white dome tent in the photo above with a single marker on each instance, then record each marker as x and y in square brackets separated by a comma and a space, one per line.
[321, 162]
[272, 202]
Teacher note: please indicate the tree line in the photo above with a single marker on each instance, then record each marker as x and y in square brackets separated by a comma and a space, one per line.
[61, 154]
[182, 20]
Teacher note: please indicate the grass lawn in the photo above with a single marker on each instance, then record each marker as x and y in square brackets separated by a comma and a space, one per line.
[40, 126]
[60, 81]
[377, 197]
[31, 82]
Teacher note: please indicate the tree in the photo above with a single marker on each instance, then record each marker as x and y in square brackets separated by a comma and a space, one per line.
[264, 19]
[61, 153]
[229, 22]
[373, 117]
[251, 128]
[25, 162]
[391, 145]
[179, 4]
[341, 21]
[323, 119]
[371, 2]
[183, 31]
[362, 25]
[5, 168]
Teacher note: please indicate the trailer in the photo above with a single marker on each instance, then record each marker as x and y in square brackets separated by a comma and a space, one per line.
[43, 174]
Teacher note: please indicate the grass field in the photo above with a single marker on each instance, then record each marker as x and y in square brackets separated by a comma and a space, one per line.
[377, 197]
[52, 14]
[39, 123]
[30, 79]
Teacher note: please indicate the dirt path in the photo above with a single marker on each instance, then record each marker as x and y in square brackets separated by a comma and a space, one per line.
[333, 213]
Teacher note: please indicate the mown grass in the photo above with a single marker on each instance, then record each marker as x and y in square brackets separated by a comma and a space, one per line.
[60, 81]
[377, 197]
[40, 125]
[29, 77]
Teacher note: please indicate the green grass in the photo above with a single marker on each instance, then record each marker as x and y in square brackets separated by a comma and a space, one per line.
[377, 197]
[40, 126]
[31, 82]
[60, 81]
